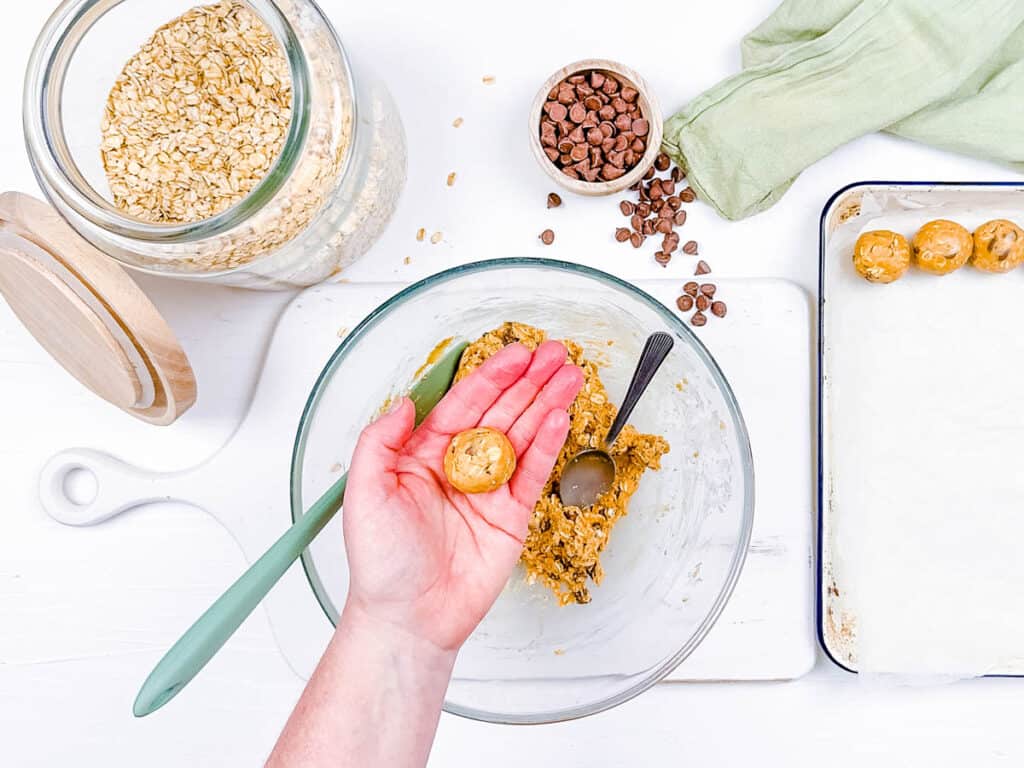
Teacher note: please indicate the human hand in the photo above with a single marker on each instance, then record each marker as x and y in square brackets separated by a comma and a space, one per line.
[424, 557]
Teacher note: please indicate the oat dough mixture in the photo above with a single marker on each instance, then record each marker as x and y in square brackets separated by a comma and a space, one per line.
[564, 544]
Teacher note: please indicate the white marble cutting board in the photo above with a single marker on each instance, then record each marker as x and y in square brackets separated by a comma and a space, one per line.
[764, 349]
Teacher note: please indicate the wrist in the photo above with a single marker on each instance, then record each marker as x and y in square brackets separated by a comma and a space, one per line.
[361, 626]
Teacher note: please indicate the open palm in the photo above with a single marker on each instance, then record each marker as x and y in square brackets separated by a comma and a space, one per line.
[423, 555]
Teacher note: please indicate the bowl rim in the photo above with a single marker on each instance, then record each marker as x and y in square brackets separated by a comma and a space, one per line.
[653, 675]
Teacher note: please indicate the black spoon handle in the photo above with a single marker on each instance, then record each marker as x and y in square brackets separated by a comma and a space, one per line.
[655, 351]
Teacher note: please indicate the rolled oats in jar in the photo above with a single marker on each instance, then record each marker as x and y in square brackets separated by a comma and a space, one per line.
[228, 140]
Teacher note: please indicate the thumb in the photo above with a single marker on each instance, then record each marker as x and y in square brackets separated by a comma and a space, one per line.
[376, 454]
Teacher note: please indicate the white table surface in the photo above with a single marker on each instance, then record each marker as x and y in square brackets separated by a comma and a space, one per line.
[85, 613]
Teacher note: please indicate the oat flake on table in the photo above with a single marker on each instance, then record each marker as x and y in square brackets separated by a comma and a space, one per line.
[197, 117]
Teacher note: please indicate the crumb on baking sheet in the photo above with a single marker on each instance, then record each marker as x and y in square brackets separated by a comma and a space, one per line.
[564, 544]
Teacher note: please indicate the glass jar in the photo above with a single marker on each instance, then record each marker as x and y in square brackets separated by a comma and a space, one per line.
[321, 205]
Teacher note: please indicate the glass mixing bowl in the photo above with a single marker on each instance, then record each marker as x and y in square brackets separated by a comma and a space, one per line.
[670, 565]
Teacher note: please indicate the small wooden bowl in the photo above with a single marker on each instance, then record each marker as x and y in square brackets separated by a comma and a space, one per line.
[648, 108]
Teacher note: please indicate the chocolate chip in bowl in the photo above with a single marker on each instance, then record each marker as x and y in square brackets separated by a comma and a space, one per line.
[595, 127]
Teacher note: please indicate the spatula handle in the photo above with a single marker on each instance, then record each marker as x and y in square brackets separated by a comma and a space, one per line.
[203, 639]
[220, 621]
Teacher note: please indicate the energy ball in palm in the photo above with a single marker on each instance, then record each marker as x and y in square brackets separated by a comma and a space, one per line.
[479, 460]
[881, 256]
[942, 246]
[998, 246]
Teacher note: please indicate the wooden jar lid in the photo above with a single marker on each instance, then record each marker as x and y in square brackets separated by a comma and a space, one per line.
[89, 314]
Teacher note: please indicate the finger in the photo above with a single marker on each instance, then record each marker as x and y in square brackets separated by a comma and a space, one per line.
[468, 400]
[547, 360]
[558, 394]
[376, 454]
[536, 464]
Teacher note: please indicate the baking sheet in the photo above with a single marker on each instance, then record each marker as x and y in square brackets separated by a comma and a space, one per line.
[922, 447]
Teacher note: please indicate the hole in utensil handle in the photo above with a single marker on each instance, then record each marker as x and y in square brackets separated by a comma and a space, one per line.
[654, 353]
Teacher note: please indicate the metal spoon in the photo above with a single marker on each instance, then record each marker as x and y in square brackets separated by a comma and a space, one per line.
[591, 473]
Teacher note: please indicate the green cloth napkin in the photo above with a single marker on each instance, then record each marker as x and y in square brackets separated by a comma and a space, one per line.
[819, 73]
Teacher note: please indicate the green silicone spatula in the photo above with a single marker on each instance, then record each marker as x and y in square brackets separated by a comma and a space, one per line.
[204, 638]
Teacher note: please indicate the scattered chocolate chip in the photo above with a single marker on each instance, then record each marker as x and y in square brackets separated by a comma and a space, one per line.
[685, 303]
[554, 200]
[718, 309]
[547, 237]
[702, 268]
[658, 210]
[699, 319]
[703, 303]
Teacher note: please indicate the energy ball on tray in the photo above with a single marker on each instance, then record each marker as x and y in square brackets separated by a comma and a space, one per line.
[998, 246]
[881, 256]
[942, 246]
[479, 460]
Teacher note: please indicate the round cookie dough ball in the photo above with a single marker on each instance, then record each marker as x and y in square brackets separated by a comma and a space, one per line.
[942, 246]
[479, 460]
[998, 246]
[881, 256]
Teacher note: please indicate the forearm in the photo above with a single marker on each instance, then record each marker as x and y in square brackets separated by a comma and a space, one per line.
[374, 700]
